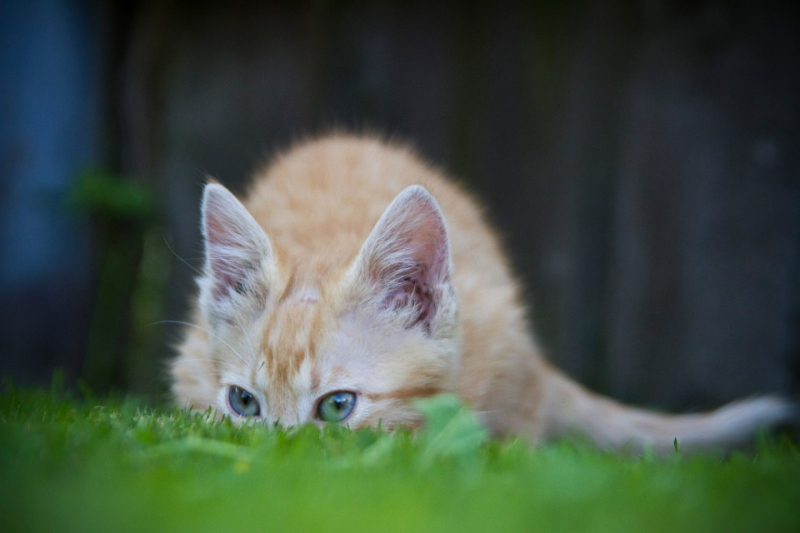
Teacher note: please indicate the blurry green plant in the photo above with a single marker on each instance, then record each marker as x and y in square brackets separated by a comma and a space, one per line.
[98, 192]
[132, 275]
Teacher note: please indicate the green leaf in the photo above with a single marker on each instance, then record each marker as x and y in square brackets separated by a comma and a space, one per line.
[450, 430]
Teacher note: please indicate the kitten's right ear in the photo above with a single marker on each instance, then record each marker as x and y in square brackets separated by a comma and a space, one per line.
[406, 262]
[237, 249]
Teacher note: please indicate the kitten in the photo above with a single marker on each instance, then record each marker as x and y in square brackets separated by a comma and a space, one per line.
[354, 279]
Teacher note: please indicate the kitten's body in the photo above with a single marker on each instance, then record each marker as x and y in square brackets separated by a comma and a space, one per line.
[324, 300]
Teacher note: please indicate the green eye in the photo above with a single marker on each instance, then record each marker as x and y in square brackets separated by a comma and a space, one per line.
[242, 402]
[336, 406]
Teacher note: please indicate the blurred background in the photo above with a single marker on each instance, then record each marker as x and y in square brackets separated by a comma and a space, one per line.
[640, 158]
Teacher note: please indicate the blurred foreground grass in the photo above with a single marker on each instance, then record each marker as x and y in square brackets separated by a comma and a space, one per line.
[70, 464]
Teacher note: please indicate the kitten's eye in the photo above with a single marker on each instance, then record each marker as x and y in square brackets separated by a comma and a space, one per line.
[336, 406]
[242, 402]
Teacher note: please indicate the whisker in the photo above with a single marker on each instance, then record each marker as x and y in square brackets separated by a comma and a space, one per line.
[210, 333]
[181, 259]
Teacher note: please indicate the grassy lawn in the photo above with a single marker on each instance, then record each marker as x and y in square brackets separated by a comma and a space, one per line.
[70, 464]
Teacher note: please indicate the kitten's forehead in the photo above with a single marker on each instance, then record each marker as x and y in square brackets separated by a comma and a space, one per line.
[306, 295]
[290, 335]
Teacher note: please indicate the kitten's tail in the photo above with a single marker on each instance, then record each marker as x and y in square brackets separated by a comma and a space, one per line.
[570, 409]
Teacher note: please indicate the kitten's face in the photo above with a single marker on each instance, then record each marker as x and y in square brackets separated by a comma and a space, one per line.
[357, 348]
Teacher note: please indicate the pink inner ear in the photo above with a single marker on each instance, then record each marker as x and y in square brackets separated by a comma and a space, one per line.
[413, 291]
[228, 275]
[228, 266]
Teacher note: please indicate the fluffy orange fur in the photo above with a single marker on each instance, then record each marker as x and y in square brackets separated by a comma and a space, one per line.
[350, 265]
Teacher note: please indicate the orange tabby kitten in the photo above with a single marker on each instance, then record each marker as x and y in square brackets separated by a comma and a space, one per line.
[354, 279]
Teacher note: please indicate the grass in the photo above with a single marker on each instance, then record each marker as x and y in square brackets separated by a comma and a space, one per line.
[70, 464]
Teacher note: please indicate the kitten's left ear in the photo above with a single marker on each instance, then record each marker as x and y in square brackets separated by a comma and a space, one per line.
[238, 251]
[406, 259]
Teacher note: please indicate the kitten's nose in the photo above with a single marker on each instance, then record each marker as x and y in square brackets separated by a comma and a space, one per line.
[285, 417]
[283, 422]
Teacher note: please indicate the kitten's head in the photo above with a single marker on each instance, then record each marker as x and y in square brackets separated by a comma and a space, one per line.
[356, 347]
